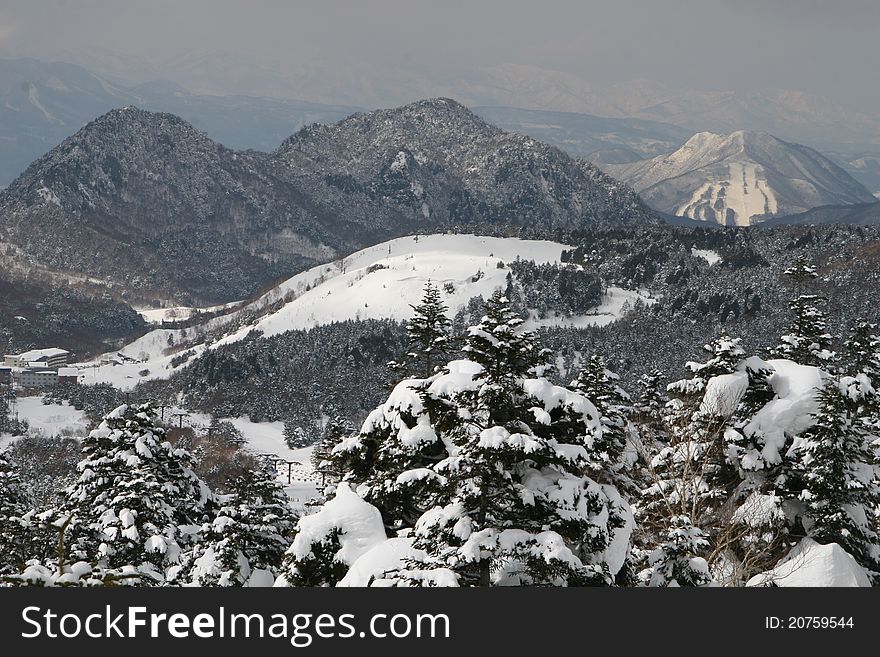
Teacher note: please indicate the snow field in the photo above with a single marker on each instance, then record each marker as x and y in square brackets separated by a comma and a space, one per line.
[382, 281]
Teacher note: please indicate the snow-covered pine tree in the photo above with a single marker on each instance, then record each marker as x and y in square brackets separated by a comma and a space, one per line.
[512, 505]
[9, 423]
[676, 562]
[338, 427]
[15, 535]
[862, 349]
[839, 474]
[692, 467]
[134, 495]
[295, 436]
[600, 385]
[375, 459]
[427, 336]
[650, 405]
[328, 542]
[251, 532]
[808, 341]
[744, 449]
[651, 431]
[389, 460]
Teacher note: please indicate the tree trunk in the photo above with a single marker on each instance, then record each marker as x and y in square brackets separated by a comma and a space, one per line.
[484, 563]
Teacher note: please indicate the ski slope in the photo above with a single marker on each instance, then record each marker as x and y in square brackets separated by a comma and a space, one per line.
[378, 282]
[383, 281]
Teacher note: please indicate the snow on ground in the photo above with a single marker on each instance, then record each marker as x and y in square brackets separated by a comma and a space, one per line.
[382, 281]
[709, 256]
[615, 303]
[49, 419]
[142, 360]
[745, 192]
[263, 438]
[178, 313]
[267, 438]
[812, 564]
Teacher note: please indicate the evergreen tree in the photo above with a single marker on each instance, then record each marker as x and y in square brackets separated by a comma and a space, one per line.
[338, 427]
[863, 350]
[380, 453]
[598, 384]
[676, 561]
[511, 503]
[9, 423]
[839, 475]
[483, 462]
[807, 341]
[393, 441]
[427, 336]
[133, 494]
[505, 352]
[326, 543]
[251, 531]
[295, 436]
[745, 448]
[692, 476]
[650, 405]
[695, 462]
[15, 535]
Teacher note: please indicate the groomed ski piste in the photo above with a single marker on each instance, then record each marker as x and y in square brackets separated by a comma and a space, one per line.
[381, 281]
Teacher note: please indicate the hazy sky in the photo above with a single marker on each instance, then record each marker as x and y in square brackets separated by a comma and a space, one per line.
[828, 47]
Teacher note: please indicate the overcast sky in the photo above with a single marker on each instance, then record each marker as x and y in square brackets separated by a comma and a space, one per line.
[828, 47]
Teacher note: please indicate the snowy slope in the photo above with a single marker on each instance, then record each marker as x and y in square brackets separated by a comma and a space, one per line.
[178, 313]
[738, 178]
[378, 282]
[384, 280]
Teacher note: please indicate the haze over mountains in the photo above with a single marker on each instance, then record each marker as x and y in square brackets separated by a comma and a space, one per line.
[789, 114]
[42, 103]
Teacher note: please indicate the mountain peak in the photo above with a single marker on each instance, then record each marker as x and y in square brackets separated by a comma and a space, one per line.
[740, 178]
[150, 186]
[419, 121]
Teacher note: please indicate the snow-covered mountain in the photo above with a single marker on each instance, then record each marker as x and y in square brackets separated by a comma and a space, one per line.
[42, 103]
[151, 205]
[740, 178]
[379, 282]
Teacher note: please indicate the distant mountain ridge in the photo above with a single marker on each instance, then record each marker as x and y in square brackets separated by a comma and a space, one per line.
[739, 179]
[149, 204]
[597, 138]
[43, 103]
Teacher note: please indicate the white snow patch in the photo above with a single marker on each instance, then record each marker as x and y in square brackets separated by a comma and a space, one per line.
[709, 256]
[796, 387]
[358, 524]
[49, 419]
[723, 393]
[383, 281]
[615, 304]
[179, 313]
[385, 557]
[811, 564]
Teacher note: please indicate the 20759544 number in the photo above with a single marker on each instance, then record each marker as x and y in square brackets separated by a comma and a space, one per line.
[808, 622]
